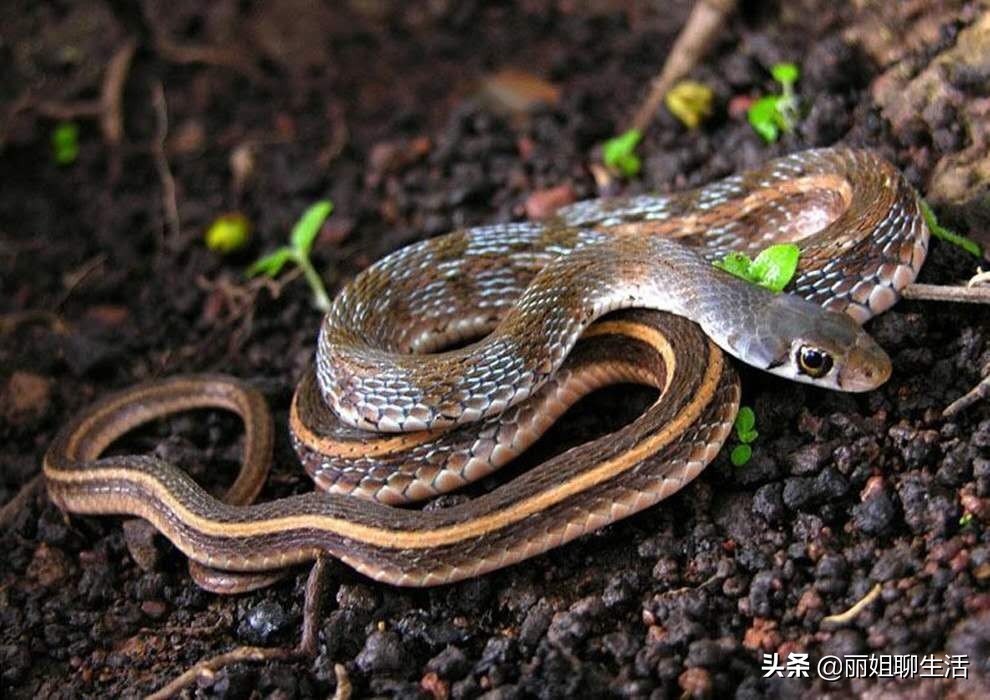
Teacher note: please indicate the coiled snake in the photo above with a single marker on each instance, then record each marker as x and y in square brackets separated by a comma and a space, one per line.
[387, 417]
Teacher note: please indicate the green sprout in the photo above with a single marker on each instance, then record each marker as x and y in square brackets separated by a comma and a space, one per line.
[65, 143]
[966, 520]
[939, 231]
[773, 268]
[619, 153]
[300, 244]
[772, 114]
[745, 426]
[228, 233]
[690, 101]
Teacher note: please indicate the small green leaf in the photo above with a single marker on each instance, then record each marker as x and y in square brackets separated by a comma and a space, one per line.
[785, 73]
[629, 165]
[65, 143]
[775, 266]
[740, 455]
[736, 263]
[619, 153]
[939, 231]
[763, 115]
[272, 263]
[228, 233]
[308, 226]
[745, 425]
[745, 419]
[747, 438]
[966, 520]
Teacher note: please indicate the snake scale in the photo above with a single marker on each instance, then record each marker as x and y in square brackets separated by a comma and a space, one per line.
[539, 315]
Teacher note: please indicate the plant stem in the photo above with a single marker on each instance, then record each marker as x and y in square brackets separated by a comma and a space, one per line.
[320, 299]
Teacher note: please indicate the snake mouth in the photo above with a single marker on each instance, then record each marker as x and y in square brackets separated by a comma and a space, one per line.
[867, 366]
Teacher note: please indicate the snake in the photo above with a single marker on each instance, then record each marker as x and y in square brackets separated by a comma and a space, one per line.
[445, 360]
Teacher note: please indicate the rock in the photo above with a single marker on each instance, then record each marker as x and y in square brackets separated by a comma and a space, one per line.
[971, 638]
[155, 609]
[263, 622]
[696, 683]
[542, 204]
[535, 624]
[893, 564]
[803, 491]
[948, 94]
[355, 596]
[704, 652]
[832, 574]
[437, 688]
[809, 458]
[49, 565]
[451, 663]
[762, 635]
[569, 628]
[391, 157]
[844, 642]
[877, 510]
[769, 503]
[25, 398]
[929, 510]
[140, 537]
[621, 646]
[621, 588]
[382, 653]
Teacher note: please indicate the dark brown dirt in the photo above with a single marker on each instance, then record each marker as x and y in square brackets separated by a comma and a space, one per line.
[376, 106]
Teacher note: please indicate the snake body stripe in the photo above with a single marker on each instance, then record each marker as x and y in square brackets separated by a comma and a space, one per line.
[441, 418]
[569, 495]
[409, 467]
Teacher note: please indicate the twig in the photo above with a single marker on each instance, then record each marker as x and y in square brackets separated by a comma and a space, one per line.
[78, 276]
[696, 38]
[169, 205]
[221, 57]
[207, 669]
[8, 322]
[954, 293]
[858, 607]
[977, 393]
[981, 277]
[306, 647]
[112, 93]
[14, 506]
[339, 135]
[240, 300]
[81, 109]
[14, 108]
[343, 691]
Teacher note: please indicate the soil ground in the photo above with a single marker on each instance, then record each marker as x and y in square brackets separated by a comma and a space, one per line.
[389, 109]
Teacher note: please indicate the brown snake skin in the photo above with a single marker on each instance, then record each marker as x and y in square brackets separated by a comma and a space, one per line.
[532, 291]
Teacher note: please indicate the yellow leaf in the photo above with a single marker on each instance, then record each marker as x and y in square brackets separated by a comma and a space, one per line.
[691, 102]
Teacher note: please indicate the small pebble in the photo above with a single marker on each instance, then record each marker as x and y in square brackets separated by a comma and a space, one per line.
[382, 653]
[263, 622]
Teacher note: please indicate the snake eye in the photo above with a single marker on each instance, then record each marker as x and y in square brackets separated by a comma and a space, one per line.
[813, 362]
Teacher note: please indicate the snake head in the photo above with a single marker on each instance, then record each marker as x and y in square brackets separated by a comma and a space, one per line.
[804, 342]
